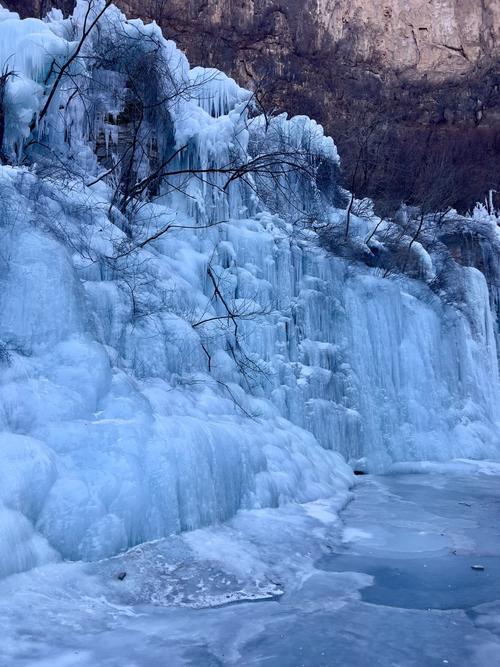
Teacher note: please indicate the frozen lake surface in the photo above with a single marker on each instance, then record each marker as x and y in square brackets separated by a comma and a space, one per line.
[389, 583]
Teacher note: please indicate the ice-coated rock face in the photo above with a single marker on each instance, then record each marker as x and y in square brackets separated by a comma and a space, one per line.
[128, 410]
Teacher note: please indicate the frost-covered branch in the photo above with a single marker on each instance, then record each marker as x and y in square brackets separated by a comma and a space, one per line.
[87, 29]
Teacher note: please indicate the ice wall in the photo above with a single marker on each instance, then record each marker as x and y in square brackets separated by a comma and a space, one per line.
[128, 410]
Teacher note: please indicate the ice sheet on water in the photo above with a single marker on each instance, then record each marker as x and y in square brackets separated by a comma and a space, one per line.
[454, 467]
[172, 599]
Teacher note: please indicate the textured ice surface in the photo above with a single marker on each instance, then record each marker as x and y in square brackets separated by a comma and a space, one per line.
[419, 560]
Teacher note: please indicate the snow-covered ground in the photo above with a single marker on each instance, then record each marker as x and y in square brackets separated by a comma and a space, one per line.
[389, 583]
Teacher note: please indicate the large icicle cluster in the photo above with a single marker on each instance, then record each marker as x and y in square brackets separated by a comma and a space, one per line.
[128, 411]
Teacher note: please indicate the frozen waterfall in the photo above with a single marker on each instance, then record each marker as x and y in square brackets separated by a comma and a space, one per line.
[124, 413]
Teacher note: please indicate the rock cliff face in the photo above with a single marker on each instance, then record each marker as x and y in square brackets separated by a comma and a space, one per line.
[430, 67]
[436, 39]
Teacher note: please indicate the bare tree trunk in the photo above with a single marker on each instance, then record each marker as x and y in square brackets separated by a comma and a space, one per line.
[348, 216]
[414, 238]
[4, 77]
